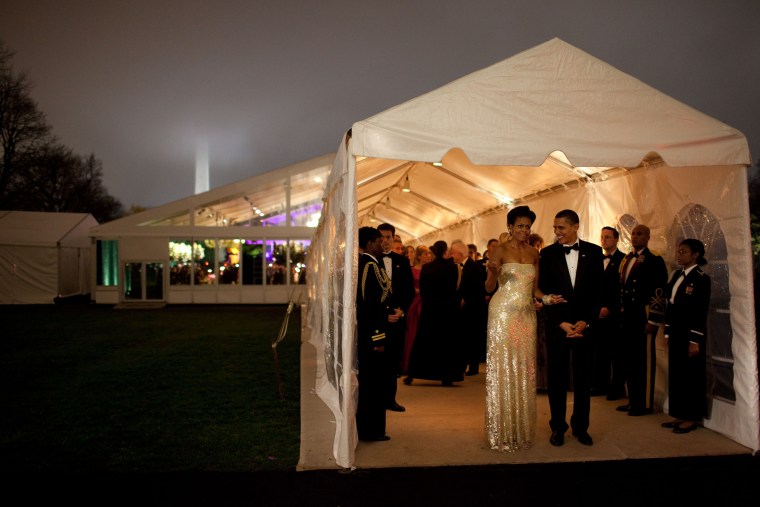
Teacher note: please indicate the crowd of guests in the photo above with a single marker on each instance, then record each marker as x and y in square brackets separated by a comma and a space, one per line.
[586, 324]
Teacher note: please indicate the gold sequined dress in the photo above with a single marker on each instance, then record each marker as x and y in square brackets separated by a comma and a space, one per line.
[511, 373]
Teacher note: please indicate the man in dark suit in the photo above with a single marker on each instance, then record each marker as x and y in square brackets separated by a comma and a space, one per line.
[472, 307]
[373, 294]
[572, 269]
[400, 272]
[643, 277]
[607, 366]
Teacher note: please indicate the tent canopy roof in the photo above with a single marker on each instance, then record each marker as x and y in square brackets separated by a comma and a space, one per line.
[251, 201]
[33, 228]
[548, 117]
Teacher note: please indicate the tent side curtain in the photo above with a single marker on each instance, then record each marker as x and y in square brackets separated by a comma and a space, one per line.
[332, 294]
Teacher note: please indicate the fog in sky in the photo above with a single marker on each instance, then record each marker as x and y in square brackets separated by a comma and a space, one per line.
[271, 83]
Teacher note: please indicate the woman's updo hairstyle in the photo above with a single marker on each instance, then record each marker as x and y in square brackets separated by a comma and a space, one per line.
[439, 249]
[519, 212]
[696, 247]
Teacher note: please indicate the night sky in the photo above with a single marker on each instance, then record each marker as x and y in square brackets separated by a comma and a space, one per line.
[271, 83]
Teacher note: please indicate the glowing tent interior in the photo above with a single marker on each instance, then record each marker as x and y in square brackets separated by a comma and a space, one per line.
[555, 128]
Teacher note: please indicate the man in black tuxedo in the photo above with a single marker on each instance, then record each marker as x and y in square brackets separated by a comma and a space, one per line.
[607, 363]
[573, 269]
[373, 295]
[400, 272]
[643, 278]
[473, 310]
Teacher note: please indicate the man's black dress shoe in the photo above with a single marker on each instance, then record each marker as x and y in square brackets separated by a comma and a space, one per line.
[447, 383]
[671, 424]
[408, 381]
[396, 408]
[584, 438]
[623, 408]
[381, 438]
[557, 438]
[685, 429]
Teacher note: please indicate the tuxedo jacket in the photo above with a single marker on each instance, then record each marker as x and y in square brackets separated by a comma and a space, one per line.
[472, 289]
[611, 294]
[402, 280]
[373, 295]
[688, 312]
[583, 299]
[643, 292]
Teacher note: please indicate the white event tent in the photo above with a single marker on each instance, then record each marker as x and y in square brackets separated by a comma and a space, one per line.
[553, 128]
[241, 243]
[43, 256]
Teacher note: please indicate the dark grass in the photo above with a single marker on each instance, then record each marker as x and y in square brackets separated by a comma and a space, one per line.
[180, 407]
[89, 388]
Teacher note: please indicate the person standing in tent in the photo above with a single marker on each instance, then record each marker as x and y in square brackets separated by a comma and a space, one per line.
[643, 277]
[573, 269]
[511, 357]
[400, 273]
[685, 331]
[542, 379]
[373, 295]
[435, 354]
[472, 307]
[422, 257]
[608, 355]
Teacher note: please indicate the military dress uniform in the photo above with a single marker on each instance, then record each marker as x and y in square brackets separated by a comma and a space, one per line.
[642, 300]
[372, 297]
[685, 322]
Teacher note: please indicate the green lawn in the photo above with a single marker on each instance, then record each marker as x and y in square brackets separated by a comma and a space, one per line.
[184, 388]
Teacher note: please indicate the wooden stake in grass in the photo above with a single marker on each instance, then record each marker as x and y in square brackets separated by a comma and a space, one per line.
[280, 337]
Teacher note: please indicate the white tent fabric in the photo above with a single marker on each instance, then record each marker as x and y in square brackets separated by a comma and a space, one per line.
[554, 128]
[43, 255]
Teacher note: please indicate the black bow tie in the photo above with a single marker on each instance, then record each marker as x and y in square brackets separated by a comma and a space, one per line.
[608, 256]
[633, 254]
[568, 248]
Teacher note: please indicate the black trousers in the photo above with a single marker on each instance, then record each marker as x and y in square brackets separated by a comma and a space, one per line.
[394, 351]
[560, 351]
[640, 365]
[370, 412]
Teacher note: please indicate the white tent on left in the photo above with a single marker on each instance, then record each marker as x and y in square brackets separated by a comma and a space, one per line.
[43, 256]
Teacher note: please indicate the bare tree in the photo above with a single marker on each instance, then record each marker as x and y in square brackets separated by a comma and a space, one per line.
[23, 127]
[57, 180]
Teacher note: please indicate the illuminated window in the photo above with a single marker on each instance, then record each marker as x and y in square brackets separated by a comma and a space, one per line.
[228, 253]
[108, 262]
[203, 259]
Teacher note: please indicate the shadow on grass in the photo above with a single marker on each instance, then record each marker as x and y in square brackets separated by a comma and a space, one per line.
[180, 389]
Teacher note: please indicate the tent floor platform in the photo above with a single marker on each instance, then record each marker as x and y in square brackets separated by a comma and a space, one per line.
[444, 426]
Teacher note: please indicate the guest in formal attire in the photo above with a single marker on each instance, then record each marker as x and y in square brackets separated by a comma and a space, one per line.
[422, 257]
[434, 354]
[491, 247]
[373, 293]
[511, 373]
[688, 295]
[472, 251]
[643, 277]
[607, 362]
[542, 361]
[473, 310]
[411, 254]
[400, 273]
[571, 268]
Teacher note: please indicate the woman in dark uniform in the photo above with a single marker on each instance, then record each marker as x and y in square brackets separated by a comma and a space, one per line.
[685, 330]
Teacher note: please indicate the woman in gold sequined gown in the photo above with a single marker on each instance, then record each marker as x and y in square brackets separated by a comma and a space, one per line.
[511, 373]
